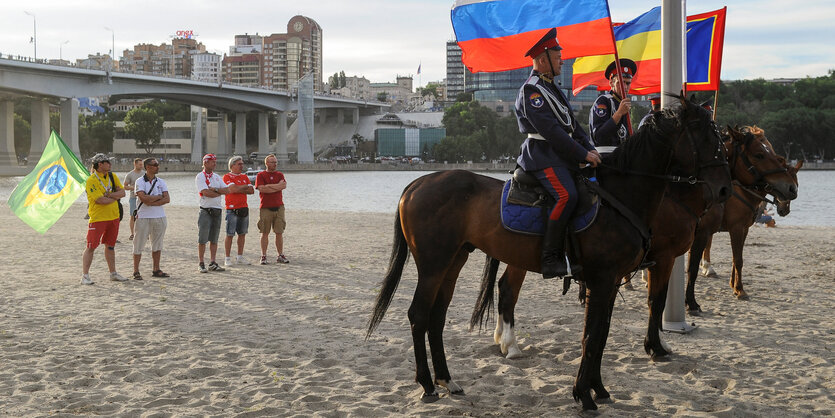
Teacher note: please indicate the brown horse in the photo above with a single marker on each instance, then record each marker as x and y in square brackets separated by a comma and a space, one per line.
[681, 212]
[738, 214]
[444, 216]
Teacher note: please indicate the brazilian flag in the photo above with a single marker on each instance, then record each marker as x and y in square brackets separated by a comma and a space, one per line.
[47, 192]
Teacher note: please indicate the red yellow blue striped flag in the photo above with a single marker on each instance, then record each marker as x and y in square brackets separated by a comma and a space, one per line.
[640, 41]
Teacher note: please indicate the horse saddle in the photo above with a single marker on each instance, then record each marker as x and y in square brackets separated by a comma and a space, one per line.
[525, 204]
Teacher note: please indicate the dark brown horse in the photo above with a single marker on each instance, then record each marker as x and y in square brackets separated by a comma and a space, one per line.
[673, 228]
[444, 216]
[738, 214]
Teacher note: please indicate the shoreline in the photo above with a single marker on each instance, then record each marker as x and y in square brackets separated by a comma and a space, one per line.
[281, 340]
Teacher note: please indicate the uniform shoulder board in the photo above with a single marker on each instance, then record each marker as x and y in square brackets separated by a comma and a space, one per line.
[532, 80]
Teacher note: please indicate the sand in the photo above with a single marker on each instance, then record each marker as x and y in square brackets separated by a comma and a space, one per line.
[288, 340]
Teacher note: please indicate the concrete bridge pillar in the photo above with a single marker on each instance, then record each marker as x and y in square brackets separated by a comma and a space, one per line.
[263, 133]
[197, 126]
[340, 116]
[281, 138]
[356, 115]
[240, 134]
[69, 125]
[8, 155]
[323, 116]
[222, 149]
[40, 130]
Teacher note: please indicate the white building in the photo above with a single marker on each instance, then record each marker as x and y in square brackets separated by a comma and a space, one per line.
[205, 66]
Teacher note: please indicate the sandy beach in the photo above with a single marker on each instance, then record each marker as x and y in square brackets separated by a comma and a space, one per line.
[288, 340]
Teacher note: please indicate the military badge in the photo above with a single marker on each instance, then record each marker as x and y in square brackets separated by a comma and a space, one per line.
[600, 110]
[537, 100]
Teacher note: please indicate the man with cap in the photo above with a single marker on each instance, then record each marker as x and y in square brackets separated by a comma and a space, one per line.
[609, 114]
[211, 187]
[103, 192]
[655, 102]
[555, 142]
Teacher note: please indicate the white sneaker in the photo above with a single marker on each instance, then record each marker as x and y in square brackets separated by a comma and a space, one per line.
[85, 279]
[116, 277]
[241, 260]
[227, 261]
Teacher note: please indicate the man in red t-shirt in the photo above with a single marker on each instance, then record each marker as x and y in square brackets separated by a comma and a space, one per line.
[237, 211]
[270, 183]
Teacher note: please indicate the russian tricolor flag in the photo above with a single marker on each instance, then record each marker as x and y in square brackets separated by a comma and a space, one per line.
[494, 35]
[640, 41]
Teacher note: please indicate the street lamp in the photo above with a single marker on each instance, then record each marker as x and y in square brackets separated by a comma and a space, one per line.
[112, 46]
[60, 50]
[35, 32]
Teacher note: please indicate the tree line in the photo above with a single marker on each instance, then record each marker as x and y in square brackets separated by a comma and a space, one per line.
[798, 119]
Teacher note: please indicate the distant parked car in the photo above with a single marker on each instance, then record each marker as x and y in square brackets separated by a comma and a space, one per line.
[252, 174]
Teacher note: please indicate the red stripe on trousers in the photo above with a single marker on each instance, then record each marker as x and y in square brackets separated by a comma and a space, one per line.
[561, 192]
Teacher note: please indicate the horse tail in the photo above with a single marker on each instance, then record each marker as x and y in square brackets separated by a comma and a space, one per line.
[484, 304]
[399, 255]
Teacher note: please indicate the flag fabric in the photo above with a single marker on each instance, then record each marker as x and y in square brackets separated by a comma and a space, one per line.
[47, 192]
[494, 35]
[418, 72]
[640, 41]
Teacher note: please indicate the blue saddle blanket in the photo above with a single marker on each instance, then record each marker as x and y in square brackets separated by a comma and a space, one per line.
[533, 220]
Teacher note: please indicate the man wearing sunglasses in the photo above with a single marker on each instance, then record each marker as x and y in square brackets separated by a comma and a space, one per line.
[151, 222]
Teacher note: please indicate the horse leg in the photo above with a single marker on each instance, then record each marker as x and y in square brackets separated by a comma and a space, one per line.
[697, 248]
[600, 392]
[704, 267]
[437, 320]
[595, 333]
[510, 286]
[737, 244]
[659, 279]
[430, 279]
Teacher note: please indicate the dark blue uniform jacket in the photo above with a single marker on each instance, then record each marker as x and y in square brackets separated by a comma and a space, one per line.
[604, 131]
[541, 108]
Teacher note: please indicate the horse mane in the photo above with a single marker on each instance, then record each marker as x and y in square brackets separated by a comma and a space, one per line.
[661, 124]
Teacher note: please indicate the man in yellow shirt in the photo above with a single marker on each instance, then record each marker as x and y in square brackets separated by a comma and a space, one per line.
[103, 191]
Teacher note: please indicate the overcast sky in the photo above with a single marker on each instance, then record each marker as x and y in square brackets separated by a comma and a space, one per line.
[380, 39]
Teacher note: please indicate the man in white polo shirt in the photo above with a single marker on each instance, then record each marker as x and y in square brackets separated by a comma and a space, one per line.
[210, 186]
[152, 193]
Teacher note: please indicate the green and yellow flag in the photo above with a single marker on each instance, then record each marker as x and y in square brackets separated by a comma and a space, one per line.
[47, 192]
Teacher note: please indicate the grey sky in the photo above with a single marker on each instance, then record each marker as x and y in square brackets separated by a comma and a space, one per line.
[380, 39]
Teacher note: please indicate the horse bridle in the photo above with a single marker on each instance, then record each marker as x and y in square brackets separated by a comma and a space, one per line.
[759, 182]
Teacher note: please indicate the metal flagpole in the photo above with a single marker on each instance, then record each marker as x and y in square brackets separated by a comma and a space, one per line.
[672, 77]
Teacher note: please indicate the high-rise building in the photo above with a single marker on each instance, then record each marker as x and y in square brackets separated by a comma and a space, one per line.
[289, 56]
[243, 70]
[455, 71]
[165, 59]
[205, 66]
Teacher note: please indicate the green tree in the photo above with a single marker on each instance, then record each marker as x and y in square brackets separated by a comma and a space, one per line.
[95, 134]
[382, 96]
[169, 111]
[22, 135]
[342, 81]
[145, 126]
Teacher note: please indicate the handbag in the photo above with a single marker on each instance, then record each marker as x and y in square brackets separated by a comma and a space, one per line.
[118, 201]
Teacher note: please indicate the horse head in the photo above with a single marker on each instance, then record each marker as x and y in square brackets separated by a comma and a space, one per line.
[784, 206]
[698, 153]
[755, 164]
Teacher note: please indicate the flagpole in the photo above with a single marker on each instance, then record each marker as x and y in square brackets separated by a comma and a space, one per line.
[619, 69]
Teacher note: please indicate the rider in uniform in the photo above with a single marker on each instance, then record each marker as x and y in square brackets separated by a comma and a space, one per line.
[609, 113]
[555, 142]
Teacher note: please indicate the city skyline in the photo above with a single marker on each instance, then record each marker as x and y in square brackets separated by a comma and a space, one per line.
[382, 39]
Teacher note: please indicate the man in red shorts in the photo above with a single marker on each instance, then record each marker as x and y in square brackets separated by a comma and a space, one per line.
[103, 191]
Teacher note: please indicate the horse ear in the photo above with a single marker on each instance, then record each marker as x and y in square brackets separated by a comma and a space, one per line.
[682, 97]
[799, 164]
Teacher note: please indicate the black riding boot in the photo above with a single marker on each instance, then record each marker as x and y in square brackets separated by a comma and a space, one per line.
[553, 251]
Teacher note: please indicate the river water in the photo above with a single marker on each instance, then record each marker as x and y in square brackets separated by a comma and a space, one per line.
[379, 191]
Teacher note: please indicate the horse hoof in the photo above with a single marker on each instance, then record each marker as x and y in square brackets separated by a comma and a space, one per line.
[586, 400]
[742, 296]
[695, 312]
[452, 387]
[601, 394]
[513, 352]
[429, 397]
[660, 356]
